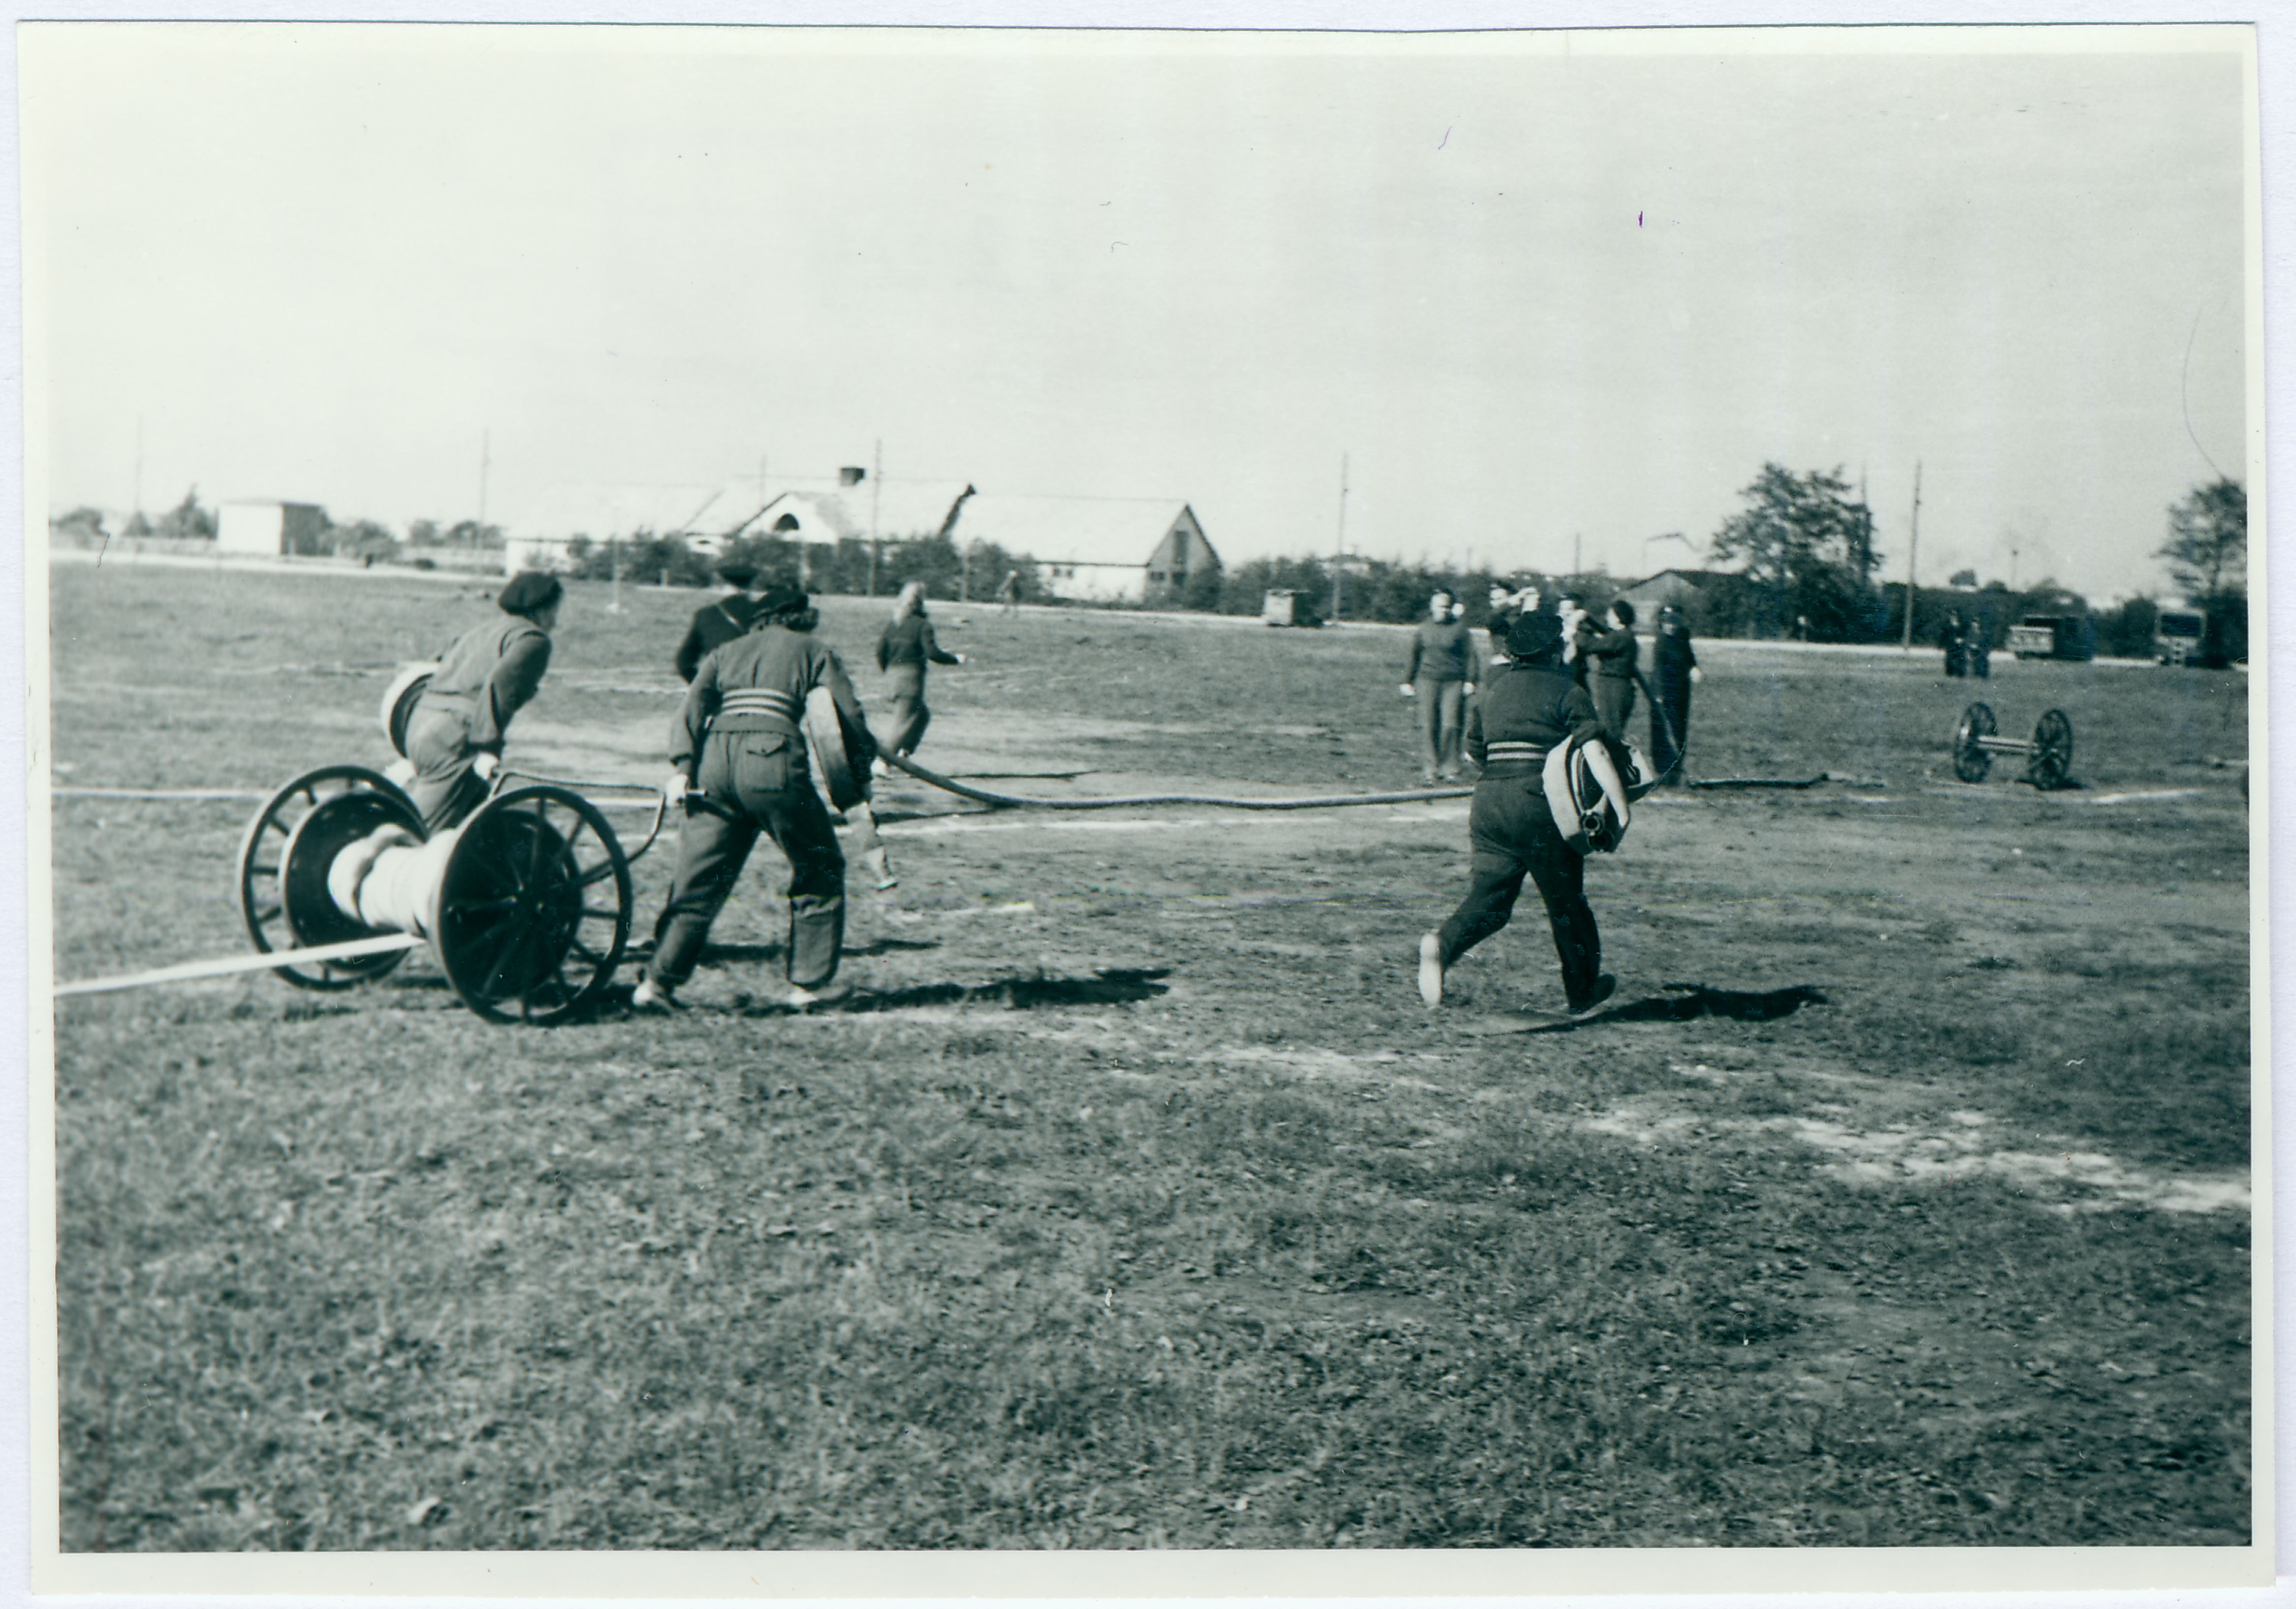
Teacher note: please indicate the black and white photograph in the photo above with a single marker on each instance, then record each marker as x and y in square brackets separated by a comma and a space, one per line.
[846, 808]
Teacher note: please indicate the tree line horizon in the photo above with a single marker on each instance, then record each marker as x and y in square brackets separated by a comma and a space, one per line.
[1805, 567]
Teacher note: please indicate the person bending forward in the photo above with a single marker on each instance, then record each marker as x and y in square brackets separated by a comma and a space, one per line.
[454, 737]
[738, 742]
[1526, 708]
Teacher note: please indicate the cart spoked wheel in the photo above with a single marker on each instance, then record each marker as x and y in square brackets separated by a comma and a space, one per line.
[1971, 762]
[286, 854]
[2052, 758]
[534, 906]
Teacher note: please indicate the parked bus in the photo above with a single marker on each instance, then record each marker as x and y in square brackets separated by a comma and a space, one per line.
[2054, 636]
[2178, 636]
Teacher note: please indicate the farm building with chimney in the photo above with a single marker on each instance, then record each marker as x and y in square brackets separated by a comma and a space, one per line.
[819, 512]
[1099, 550]
[852, 509]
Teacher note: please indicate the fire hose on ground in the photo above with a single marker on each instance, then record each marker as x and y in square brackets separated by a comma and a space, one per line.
[526, 905]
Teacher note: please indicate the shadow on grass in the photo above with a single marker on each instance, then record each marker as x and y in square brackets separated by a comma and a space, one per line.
[1116, 987]
[639, 954]
[1686, 1002]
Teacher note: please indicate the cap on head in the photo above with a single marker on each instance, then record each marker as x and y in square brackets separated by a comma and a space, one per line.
[529, 592]
[1532, 635]
[737, 575]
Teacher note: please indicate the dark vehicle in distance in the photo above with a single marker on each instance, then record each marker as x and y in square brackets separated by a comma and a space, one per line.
[2054, 636]
[2213, 634]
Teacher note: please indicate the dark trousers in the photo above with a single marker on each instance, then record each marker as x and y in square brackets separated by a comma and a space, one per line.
[444, 789]
[1672, 704]
[1511, 834]
[909, 717]
[1614, 702]
[1442, 708]
[761, 781]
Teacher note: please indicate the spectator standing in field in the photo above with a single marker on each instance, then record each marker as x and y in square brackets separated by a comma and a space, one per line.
[1576, 623]
[904, 649]
[738, 741]
[1954, 638]
[1611, 655]
[1675, 666]
[718, 623]
[1008, 591]
[1532, 705]
[454, 736]
[1440, 676]
[1977, 649]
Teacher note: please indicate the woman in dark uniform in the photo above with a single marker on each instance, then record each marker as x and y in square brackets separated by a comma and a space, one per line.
[1610, 657]
[716, 624]
[1674, 664]
[1526, 709]
[737, 742]
[454, 737]
[903, 652]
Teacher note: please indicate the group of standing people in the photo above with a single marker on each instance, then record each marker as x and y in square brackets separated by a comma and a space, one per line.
[738, 762]
[1968, 646]
[1601, 656]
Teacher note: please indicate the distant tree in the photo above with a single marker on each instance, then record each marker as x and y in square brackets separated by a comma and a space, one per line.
[2207, 548]
[137, 525]
[188, 519]
[472, 535]
[2126, 630]
[1964, 578]
[82, 524]
[1809, 546]
[422, 533]
[360, 539]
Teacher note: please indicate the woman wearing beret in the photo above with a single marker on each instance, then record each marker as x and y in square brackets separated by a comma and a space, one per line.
[454, 737]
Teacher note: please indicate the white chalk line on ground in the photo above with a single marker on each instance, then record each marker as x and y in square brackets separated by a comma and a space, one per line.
[1901, 1154]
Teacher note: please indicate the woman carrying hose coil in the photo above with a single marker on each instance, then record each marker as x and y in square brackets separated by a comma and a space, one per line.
[738, 761]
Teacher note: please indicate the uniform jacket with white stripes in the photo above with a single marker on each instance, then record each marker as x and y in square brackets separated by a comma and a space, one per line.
[758, 683]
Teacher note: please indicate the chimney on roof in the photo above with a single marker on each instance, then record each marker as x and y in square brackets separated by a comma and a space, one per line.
[852, 474]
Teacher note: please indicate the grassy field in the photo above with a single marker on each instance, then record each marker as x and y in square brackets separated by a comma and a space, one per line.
[1136, 1200]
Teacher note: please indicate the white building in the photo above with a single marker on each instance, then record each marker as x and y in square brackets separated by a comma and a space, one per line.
[1096, 549]
[270, 528]
[850, 508]
[817, 512]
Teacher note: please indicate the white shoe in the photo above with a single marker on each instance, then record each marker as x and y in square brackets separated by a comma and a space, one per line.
[880, 870]
[650, 996]
[878, 768]
[828, 994]
[1430, 968]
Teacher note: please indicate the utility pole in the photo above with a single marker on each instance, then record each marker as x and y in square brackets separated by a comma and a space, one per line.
[876, 480]
[1340, 558]
[485, 459]
[1913, 550]
[1574, 558]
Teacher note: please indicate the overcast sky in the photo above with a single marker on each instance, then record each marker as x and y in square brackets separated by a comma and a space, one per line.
[1534, 289]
